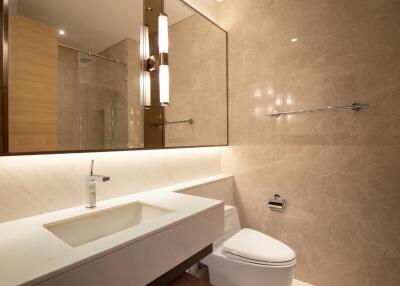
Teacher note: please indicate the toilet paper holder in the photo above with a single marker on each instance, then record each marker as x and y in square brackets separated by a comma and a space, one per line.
[277, 203]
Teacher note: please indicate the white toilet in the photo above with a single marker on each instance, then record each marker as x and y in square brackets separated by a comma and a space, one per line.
[245, 257]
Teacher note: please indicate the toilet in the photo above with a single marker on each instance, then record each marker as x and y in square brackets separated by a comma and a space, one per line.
[245, 257]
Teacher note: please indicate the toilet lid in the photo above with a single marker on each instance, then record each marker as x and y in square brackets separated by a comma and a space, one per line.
[254, 245]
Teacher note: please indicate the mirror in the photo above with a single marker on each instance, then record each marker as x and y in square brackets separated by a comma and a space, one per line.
[2, 98]
[75, 77]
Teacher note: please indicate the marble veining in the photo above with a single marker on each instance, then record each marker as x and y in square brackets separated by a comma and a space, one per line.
[31, 185]
[337, 170]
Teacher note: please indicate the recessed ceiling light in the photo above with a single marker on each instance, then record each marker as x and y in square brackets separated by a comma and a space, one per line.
[61, 32]
[294, 40]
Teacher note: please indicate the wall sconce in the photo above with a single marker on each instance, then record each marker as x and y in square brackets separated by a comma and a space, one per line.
[160, 62]
[145, 79]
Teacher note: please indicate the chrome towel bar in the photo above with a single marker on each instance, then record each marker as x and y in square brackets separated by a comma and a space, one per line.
[190, 121]
[353, 107]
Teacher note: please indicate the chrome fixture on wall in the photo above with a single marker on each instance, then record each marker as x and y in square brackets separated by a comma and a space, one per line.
[353, 107]
[189, 121]
[91, 54]
[91, 186]
[276, 203]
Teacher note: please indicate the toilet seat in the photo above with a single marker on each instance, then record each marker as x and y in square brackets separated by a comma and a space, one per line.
[254, 247]
[252, 261]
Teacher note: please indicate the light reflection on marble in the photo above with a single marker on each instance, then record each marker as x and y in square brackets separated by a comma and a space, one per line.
[338, 170]
[31, 185]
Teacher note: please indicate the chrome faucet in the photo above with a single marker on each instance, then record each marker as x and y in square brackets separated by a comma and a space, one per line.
[91, 186]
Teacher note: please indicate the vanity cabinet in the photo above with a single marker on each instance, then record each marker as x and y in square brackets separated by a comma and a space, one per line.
[143, 261]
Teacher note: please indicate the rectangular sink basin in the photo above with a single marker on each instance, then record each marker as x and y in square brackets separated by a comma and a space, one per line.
[82, 229]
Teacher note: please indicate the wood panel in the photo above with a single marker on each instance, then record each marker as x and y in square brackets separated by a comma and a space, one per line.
[33, 89]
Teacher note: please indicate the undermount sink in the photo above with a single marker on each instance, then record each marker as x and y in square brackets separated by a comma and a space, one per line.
[82, 229]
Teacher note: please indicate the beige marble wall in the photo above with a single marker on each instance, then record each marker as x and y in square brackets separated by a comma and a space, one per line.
[210, 8]
[339, 171]
[197, 58]
[31, 185]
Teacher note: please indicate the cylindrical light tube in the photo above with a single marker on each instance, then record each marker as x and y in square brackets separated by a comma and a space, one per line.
[145, 80]
[145, 85]
[163, 44]
[144, 43]
[164, 85]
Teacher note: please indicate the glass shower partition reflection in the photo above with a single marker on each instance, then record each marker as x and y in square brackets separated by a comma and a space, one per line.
[92, 101]
[103, 101]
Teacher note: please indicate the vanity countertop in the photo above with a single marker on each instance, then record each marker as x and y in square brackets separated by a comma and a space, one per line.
[30, 253]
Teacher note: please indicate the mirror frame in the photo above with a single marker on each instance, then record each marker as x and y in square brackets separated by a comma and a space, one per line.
[4, 142]
[4, 80]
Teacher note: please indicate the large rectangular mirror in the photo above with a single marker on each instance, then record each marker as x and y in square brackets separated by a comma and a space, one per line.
[75, 80]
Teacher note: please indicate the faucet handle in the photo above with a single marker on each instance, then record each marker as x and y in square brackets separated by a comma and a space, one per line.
[91, 167]
[106, 178]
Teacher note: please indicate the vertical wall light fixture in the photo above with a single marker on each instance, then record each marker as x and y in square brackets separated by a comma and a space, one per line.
[163, 44]
[153, 63]
[145, 79]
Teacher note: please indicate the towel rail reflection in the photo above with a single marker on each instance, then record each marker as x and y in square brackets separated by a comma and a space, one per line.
[189, 121]
[353, 107]
[92, 54]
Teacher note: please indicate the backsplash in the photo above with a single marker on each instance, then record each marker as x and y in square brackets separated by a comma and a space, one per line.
[31, 185]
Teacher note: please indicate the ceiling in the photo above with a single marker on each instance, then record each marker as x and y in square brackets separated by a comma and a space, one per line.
[91, 25]
[94, 25]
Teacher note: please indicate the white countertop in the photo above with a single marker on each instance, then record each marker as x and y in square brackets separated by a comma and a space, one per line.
[29, 252]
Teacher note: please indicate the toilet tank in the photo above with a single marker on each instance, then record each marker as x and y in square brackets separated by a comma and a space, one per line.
[232, 223]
